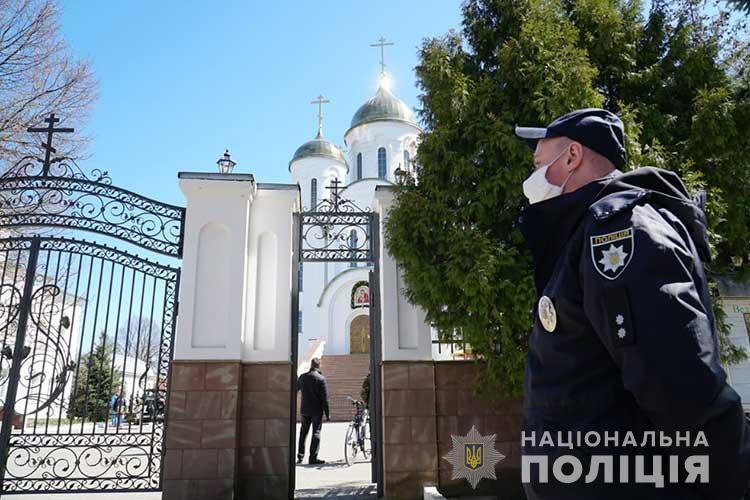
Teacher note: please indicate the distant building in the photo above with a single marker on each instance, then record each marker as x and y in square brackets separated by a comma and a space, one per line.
[135, 376]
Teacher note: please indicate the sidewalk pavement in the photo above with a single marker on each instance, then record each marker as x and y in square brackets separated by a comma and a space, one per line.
[334, 479]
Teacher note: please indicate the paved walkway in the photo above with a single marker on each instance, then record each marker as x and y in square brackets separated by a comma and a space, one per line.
[334, 479]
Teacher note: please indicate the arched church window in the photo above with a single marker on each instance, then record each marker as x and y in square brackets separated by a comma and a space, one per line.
[407, 160]
[359, 166]
[313, 194]
[382, 170]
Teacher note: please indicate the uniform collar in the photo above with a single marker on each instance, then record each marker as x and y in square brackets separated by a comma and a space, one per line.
[549, 224]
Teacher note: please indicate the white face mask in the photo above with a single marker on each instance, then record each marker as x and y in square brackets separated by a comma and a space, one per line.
[537, 188]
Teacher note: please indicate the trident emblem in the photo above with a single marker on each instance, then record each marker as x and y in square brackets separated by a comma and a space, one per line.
[473, 455]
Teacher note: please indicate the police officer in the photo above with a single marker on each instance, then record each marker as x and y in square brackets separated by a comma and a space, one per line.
[624, 340]
[312, 385]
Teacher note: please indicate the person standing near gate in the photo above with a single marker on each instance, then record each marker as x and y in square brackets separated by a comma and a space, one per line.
[624, 348]
[113, 408]
[312, 385]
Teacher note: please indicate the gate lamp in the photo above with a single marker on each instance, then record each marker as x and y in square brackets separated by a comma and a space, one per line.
[225, 163]
[400, 175]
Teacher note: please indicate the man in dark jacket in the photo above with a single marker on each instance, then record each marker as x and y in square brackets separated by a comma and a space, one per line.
[623, 367]
[312, 384]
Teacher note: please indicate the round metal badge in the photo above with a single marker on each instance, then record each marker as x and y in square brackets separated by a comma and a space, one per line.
[547, 313]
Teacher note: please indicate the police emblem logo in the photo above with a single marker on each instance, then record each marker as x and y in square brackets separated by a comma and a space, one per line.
[473, 457]
[547, 313]
[612, 252]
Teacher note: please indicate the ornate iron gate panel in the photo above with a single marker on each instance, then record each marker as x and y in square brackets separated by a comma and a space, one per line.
[86, 329]
[336, 230]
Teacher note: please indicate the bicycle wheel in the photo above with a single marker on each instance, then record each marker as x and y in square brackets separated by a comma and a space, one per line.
[350, 445]
[366, 441]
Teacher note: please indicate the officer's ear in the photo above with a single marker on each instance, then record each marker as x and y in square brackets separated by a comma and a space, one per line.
[575, 156]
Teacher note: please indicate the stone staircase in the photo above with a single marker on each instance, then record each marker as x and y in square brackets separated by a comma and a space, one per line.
[344, 374]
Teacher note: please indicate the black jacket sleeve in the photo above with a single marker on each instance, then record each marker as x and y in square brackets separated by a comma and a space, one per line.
[324, 396]
[654, 318]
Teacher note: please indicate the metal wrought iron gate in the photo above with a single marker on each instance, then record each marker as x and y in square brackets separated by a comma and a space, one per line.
[86, 328]
[337, 230]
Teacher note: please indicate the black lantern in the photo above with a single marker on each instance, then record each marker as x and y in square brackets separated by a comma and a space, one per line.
[225, 163]
[400, 175]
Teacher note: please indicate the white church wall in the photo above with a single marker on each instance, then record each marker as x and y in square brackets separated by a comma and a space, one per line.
[369, 137]
[323, 169]
[362, 192]
[335, 312]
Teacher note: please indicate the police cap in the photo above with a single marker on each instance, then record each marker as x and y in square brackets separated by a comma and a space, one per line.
[595, 128]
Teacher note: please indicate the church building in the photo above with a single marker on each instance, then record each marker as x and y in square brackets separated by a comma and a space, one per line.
[334, 296]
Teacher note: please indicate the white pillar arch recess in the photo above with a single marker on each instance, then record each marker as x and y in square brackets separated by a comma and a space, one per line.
[236, 282]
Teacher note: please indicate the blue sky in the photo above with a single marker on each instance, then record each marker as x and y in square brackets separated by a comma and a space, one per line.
[181, 81]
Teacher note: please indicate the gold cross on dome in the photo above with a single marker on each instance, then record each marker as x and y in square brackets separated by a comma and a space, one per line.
[382, 44]
[320, 101]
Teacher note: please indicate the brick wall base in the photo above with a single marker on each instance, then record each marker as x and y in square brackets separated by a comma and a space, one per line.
[264, 431]
[424, 403]
[227, 431]
[201, 436]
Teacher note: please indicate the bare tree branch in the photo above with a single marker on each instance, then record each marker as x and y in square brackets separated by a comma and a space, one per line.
[38, 75]
[139, 338]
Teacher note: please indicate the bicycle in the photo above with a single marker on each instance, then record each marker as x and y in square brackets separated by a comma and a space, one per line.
[358, 433]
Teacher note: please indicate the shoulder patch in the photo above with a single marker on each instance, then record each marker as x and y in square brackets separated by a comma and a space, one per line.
[612, 252]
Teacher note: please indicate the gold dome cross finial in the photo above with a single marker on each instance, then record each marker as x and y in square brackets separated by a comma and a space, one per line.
[382, 44]
[320, 101]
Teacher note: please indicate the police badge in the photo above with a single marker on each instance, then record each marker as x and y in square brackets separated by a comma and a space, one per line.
[547, 313]
[473, 457]
[612, 252]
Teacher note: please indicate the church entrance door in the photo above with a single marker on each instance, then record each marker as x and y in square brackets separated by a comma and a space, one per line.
[359, 335]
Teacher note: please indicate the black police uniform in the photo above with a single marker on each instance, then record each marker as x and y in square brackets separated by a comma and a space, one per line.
[314, 391]
[632, 345]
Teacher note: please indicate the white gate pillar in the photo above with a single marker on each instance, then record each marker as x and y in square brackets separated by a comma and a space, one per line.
[405, 333]
[407, 391]
[231, 373]
[235, 293]
[214, 265]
